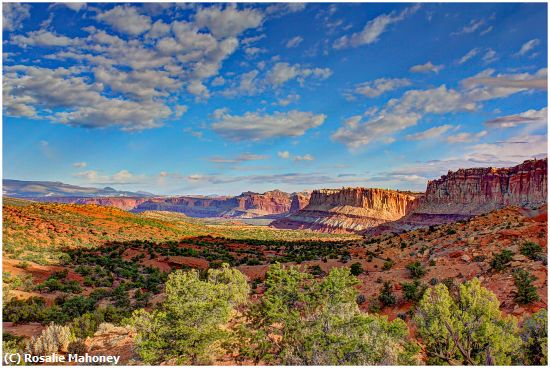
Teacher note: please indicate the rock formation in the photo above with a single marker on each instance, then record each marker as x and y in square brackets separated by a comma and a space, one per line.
[299, 201]
[465, 193]
[124, 203]
[247, 205]
[349, 210]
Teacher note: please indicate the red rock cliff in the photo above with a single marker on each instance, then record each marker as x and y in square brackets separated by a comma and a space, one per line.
[299, 201]
[349, 209]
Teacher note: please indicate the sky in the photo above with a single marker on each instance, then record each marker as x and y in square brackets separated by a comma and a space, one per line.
[224, 98]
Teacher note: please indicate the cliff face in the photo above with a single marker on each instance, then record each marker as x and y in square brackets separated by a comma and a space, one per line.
[465, 193]
[299, 201]
[246, 205]
[349, 209]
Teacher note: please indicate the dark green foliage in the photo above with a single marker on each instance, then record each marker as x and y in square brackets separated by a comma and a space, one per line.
[316, 270]
[526, 292]
[500, 260]
[416, 269]
[386, 297]
[531, 250]
[356, 269]
[413, 291]
[22, 311]
[534, 334]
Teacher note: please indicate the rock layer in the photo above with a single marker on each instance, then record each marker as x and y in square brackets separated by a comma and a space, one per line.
[349, 209]
[124, 203]
[465, 193]
[247, 205]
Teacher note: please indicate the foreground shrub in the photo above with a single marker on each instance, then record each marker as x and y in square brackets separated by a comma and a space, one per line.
[534, 334]
[303, 321]
[189, 324]
[531, 250]
[466, 328]
[416, 269]
[500, 260]
[53, 339]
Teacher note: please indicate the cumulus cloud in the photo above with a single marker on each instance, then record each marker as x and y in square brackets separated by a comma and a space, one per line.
[42, 38]
[528, 47]
[255, 126]
[429, 133]
[526, 117]
[284, 72]
[427, 67]
[379, 86]
[13, 15]
[374, 28]
[294, 42]
[126, 19]
[228, 22]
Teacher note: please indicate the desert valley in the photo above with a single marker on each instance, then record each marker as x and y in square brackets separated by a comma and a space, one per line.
[67, 257]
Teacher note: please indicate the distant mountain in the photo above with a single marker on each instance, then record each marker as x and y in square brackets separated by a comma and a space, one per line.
[41, 189]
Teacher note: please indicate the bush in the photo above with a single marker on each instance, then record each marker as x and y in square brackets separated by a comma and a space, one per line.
[388, 264]
[54, 338]
[500, 260]
[77, 347]
[526, 292]
[413, 291]
[416, 269]
[531, 250]
[23, 311]
[386, 297]
[534, 334]
[356, 269]
[488, 337]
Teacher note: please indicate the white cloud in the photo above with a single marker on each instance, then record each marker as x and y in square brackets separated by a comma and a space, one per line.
[539, 117]
[528, 46]
[126, 19]
[294, 42]
[229, 22]
[244, 157]
[283, 72]
[283, 154]
[466, 137]
[490, 56]
[42, 38]
[75, 6]
[469, 55]
[255, 126]
[374, 28]
[471, 27]
[427, 67]
[429, 133]
[218, 81]
[80, 165]
[306, 157]
[379, 86]
[13, 15]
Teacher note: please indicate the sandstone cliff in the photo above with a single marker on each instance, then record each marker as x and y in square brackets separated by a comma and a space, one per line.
[247, 205]
[299, 201]
[349, 209]
[465, 193]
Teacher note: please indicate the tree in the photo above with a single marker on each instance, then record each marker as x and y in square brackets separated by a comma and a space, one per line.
[466, 328]
[501, 260]
[188, 327]
[356, 269]
[526, 292]
[413, 291]
[534, 334]
[386, 297]
[304, 321]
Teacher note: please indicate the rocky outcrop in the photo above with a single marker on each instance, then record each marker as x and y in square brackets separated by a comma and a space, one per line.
[247, 205]
[124, 203]
[299, 201]
[349, 209]
[465, 193]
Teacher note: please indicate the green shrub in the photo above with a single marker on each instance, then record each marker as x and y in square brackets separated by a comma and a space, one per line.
[413, 291]
[386, 297]
[388, 264]
[500, 260]
[531, 250]
[534, 334]
[416, 269]
[526, 292]
[356, 269]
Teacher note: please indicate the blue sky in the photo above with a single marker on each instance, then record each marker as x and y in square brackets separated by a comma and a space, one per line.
[215, 98]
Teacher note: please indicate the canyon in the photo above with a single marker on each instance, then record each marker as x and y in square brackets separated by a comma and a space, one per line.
[459, 195]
